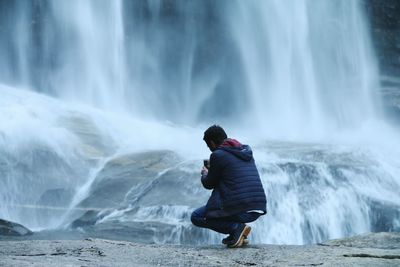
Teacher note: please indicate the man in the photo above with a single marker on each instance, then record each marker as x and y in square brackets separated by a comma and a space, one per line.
[238, 196]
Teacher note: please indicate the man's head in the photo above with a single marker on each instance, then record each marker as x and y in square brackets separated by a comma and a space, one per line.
[214, 136]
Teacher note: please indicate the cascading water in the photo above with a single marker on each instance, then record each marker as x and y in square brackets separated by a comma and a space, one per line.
[309, 65]
[127, 82]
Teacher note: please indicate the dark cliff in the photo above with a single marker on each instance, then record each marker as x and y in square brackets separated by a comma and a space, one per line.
[384, 18]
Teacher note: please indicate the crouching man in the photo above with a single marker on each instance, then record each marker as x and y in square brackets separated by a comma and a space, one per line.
[237, 196]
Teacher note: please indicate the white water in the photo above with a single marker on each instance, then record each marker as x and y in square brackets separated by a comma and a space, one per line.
[309, 65]
[289, 69]
[132, 76]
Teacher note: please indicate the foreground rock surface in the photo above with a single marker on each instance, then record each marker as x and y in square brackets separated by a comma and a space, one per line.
[381, 249]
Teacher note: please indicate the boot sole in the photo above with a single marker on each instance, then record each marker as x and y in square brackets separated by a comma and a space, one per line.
[241, 240]
[245, 241]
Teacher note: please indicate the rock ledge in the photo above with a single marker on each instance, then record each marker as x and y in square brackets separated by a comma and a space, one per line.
[380, 249]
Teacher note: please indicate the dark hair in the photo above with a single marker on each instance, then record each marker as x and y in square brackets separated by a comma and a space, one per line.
[216, 134]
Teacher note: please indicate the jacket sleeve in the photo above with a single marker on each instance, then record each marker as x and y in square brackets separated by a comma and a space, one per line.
[211, 180]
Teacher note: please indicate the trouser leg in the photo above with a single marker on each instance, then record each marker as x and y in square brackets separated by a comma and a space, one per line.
[246, 217]
[220, 225]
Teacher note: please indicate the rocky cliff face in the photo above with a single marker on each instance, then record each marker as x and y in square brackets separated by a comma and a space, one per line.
[384, 19]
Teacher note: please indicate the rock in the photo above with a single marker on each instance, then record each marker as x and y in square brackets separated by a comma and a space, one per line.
[94, 143]
[384, 22]
[59, 197]
[383, 240]
[30, 172]
[124, 173]
[8, 228]
[121, 176]
[41, 171]
[89, 218]
[144, 197]
[96, 252]
[155, 192]
[52, 205]
[385, 30]
[391, 101]
[46, 168]
[384, 217]
[147, 179]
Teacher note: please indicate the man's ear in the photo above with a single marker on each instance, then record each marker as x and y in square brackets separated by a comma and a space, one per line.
[213, 145]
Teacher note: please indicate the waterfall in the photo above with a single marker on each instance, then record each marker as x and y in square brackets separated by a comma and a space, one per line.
[298, 67]
[309, 65]
[89, 85]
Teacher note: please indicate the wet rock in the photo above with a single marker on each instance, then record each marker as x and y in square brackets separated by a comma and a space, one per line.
[385, 217]
[160, 189]
[89, 218]
[385, 30]
[391, 101]
[59, 197]
[53, 204]
[38, 167]
[94, 143]
[145, 179]
[8, 228]
[125, 173]
[144, 193]
[30, 172]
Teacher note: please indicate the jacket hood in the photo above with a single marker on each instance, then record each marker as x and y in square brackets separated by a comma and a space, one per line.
[234, 147]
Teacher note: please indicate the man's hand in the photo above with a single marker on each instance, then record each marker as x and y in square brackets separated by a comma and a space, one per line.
[204, 171]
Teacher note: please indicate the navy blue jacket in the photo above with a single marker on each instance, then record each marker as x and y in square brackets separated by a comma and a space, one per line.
[235, 182]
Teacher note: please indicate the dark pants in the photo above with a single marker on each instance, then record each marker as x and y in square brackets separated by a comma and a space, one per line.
[225, 225]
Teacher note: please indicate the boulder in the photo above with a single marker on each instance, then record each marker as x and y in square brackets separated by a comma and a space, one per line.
[147, 179]
[89, 218]
[125, 173]
[8, 228]
[95, 144]
[144, 196]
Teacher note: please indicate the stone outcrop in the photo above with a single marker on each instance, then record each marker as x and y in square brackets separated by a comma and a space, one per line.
[126, 180]
[143, 197]
[384, 22]
[385, 30]
[8, 228]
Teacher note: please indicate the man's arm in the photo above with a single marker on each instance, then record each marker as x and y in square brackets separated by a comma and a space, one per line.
[211, 178]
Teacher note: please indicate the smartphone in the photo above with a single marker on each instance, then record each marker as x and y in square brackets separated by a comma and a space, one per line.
[206, 163]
